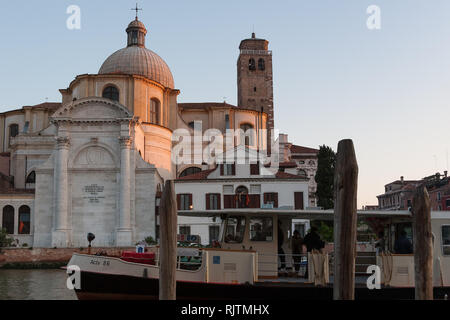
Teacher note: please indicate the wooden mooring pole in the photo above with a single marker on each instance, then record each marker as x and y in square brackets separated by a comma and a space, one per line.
[345, 219]
[168, 243]
[423, 244]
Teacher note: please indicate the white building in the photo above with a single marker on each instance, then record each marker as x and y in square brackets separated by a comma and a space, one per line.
[236, 187]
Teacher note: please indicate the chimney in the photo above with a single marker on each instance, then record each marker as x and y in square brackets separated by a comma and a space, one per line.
[445, 173]
[402, 179]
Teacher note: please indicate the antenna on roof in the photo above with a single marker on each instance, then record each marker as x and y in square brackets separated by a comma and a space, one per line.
[447, 159]
[435, 162]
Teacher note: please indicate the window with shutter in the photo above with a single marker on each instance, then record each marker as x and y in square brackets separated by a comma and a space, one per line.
[227, 169]
[254, 168]
[185, 230]
[212, 201]
[298, 198]
[207, 201]
[184, 201]
[228, 201]
[255, 201]
[271, 198]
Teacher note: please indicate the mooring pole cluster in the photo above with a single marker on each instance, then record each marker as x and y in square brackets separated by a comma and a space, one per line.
[345, 224]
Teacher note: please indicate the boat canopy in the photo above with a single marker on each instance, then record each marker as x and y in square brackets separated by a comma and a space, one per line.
[310, 214]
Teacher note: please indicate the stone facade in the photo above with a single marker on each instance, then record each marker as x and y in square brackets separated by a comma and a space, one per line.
[89, 181]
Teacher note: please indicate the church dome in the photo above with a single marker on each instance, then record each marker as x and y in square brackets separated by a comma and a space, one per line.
[136, 59]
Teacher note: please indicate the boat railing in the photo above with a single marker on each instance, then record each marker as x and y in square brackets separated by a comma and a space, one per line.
[282, 262]
[291, 261]
[185, 261]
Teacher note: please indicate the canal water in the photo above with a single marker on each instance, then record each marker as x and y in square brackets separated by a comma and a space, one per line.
[34, 285]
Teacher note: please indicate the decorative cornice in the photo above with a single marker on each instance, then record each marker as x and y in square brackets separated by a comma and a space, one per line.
[236, 180]
[92, 121]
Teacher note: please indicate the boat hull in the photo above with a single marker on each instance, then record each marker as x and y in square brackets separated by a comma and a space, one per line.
[101, 286]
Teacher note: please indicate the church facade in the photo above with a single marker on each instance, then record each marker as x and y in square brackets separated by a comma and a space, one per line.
[97, 161]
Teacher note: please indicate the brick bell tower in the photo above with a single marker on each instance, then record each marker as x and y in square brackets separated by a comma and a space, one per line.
[255, 77]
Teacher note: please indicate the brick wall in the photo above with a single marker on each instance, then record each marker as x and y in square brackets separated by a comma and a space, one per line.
[24, 255]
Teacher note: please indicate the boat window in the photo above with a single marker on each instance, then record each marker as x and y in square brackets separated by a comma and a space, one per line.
[446, 240]
[261, 229]
[234, 230]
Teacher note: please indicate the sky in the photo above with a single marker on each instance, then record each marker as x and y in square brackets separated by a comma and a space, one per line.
[334, 78]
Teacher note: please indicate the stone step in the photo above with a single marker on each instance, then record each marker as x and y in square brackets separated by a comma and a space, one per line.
[366, 260]
[366, 254]
[361, 268]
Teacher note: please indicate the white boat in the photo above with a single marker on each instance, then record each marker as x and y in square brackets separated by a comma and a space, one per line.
[246, 264]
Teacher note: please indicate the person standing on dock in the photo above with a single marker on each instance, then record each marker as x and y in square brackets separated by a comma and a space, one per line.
[403, 245]
[313, 242]
[297, 250]
[381, 243]
[280, 247]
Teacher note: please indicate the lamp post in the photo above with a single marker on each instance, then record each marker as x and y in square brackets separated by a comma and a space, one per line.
[90, 238]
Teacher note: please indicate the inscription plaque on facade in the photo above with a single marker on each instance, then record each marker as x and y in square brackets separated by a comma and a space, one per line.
[94, 193]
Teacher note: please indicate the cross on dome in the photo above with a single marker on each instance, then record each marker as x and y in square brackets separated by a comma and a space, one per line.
[136, 9]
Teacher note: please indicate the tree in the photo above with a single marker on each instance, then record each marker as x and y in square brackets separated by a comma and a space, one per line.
[5, 239]
[325, 229]
[325, 177]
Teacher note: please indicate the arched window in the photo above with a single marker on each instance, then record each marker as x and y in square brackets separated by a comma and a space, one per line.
[251, 64]
[190, 170]
[241, 190]
[247, 134]
[31, 177]
[111, 92]
[134, 37]
[261, 64]
[24, 220]
[154, 111]
[13, 131]
[8, 219]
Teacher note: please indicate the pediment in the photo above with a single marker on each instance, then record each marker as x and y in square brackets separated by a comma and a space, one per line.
[92, 109]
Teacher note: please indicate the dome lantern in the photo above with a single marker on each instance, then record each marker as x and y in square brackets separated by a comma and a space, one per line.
[136, 34]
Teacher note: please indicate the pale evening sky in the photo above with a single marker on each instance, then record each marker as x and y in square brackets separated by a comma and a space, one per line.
[387, 89]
